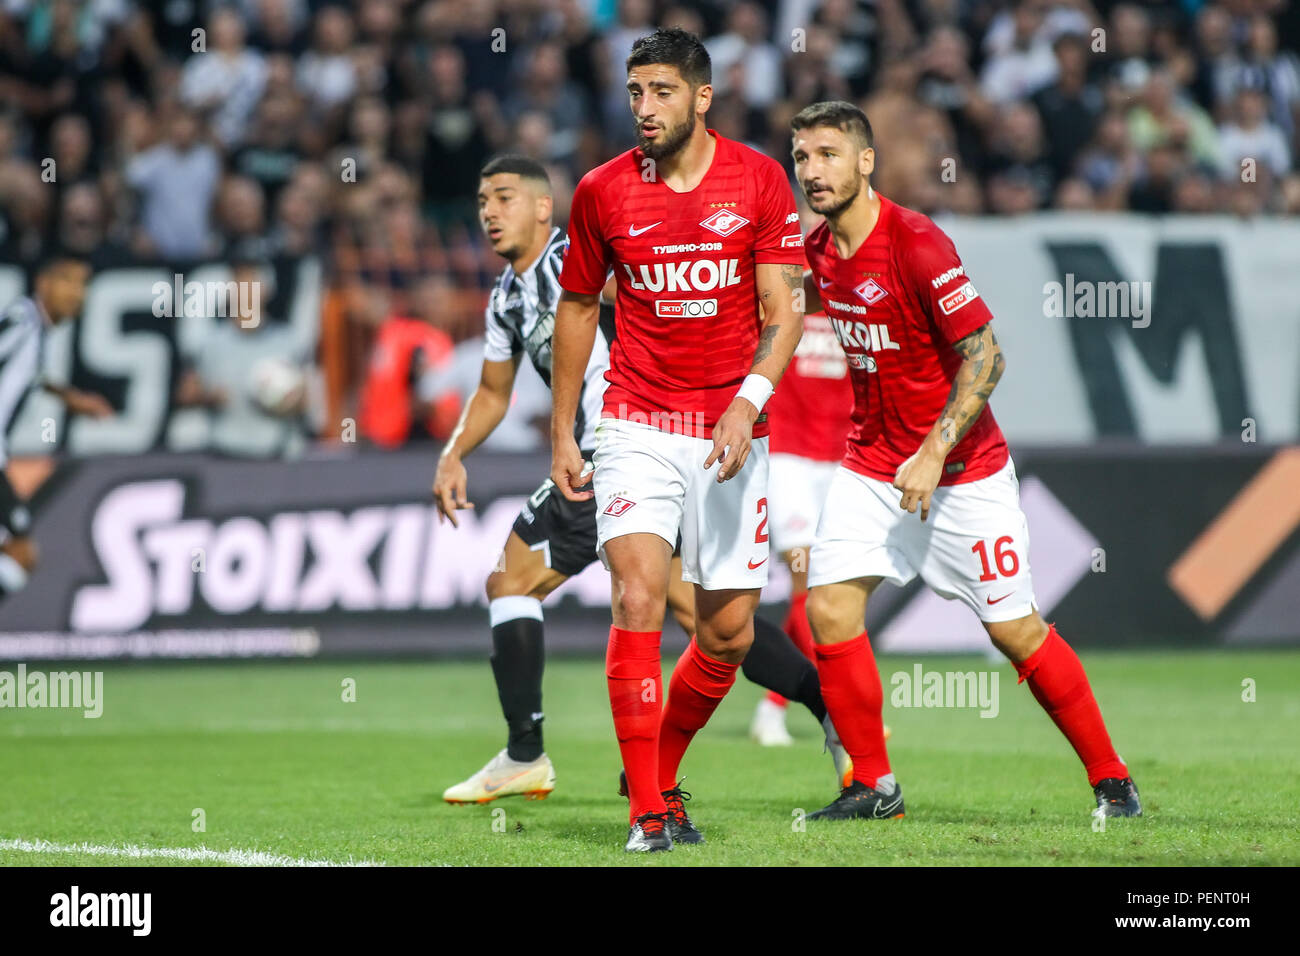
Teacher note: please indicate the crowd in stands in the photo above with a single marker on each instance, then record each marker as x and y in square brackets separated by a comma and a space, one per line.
[269, 130]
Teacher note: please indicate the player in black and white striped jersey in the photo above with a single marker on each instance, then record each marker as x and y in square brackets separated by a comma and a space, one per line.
[553, 538]
[59, 288]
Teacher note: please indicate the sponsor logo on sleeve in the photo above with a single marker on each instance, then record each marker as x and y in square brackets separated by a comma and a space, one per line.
[953, 301]
[944, 278]
[792, 242]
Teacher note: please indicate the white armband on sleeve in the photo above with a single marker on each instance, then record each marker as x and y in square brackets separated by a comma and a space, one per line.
[756, 389]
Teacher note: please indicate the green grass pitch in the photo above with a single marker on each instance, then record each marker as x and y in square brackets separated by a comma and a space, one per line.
[279, 763]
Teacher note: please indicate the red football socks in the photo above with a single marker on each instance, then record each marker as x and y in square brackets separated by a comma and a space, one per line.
[1059, 684]
[799, 631]
[697, 687]
[797, 626]
[635, 695]
[854, 699]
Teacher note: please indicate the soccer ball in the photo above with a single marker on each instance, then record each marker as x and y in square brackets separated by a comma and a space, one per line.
[276, 385]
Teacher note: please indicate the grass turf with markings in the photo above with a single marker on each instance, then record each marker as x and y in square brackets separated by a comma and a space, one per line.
[279, 763]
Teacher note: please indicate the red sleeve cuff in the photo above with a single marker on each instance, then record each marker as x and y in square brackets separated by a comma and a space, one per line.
[569, 285]
[979, 315]
[781, 257]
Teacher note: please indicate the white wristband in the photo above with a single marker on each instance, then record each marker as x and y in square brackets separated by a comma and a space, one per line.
[756, 389]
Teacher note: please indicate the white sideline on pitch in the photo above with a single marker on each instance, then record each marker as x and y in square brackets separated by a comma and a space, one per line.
[186, 854]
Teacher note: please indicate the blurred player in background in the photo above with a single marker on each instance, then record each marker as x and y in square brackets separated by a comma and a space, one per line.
[250, 374]
[411, 354]
[59, 289]
[809, 416]
[699, 230]
[924, 362]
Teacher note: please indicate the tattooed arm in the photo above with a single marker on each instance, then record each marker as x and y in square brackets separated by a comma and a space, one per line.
[982, 365]
[780, 290]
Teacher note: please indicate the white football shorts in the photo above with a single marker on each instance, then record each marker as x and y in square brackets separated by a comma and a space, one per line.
[654, 481]
[796, 488]
[974, 547]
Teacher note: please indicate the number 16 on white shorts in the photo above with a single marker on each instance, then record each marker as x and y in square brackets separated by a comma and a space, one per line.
[652, 481]
[974, 547]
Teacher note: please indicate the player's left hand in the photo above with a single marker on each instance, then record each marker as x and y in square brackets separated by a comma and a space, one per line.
[731, 438]
[88, 403]
[917, 478]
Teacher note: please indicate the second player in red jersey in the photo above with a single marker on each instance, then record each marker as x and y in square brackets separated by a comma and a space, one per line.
[924, 361]
[898, 304]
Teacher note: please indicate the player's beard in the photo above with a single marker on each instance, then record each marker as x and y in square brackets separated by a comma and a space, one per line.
[669, 142]
[841, 204]
[831, 212]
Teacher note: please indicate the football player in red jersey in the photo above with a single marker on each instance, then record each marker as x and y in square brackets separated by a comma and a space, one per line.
[699, 231]
[924, 360]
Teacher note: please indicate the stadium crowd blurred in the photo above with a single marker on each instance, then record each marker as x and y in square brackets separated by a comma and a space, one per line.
[187, 130]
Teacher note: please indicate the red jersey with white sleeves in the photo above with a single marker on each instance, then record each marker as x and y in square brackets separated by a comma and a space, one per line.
[898, 305]
[812, 409]
[687, 320]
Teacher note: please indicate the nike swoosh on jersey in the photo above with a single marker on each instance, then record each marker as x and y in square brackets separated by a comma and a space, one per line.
[823, 284]
[752, 565]
[634, 231]
[990, 600]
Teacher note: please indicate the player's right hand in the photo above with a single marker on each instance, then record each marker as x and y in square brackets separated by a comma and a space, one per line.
[732, 438]
[449, 484]
[569, 471]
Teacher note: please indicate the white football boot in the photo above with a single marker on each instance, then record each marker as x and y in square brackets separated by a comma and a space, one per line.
[843, 762]
[768, 725]
[503, 777]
